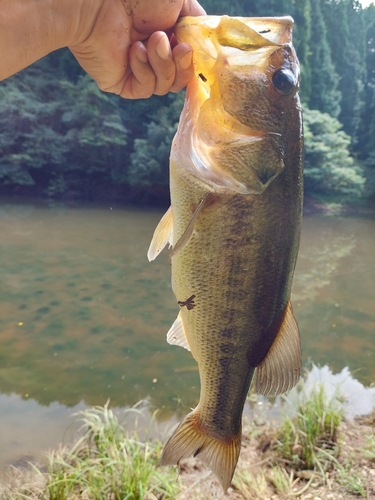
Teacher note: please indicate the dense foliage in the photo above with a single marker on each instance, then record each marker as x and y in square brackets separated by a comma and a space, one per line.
[61, 135]
[328, 166]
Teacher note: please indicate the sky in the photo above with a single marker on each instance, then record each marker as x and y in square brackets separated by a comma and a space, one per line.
[366, 3]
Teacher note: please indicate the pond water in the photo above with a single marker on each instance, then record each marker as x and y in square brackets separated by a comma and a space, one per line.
[83, 315]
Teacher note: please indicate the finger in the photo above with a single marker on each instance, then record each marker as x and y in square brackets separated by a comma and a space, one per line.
[183, 58]
[161, 60]
[172, 39]
[192, 8]
[140, 83]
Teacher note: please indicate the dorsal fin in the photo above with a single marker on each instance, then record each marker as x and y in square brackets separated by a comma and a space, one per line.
[162, 235]
[188, 233]
[280, 370]
[176, 334]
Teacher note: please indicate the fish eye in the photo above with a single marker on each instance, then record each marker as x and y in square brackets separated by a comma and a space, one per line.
[284, 81]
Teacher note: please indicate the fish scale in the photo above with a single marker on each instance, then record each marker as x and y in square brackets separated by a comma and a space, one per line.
[225, 303]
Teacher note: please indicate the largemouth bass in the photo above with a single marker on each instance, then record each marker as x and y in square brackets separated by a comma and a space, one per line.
[234, 223]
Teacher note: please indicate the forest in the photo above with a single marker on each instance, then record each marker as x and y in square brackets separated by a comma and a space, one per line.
[61, 137]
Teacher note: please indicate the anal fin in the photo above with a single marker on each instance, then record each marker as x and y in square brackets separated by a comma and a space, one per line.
[162, 235]
[280, 370]
[176, 334]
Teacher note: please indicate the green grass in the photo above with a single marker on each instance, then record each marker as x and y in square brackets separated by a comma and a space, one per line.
[107, 463]
[251, 485]
[351, 480]
[369, 449]
[104, 464]
[308, 437]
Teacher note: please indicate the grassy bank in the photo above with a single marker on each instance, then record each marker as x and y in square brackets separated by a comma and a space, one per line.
[313, 453]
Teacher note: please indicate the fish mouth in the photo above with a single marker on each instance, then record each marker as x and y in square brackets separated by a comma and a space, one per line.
[232, 41]
[233, 53]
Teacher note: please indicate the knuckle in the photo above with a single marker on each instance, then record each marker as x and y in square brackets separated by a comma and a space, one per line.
[112, 89]
[142, 91]
[161, 92]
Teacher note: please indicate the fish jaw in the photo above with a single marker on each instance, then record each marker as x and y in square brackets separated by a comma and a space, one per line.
[233, 111]
[232, 38]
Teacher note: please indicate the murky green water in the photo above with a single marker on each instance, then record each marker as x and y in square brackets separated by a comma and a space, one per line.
[83, 315]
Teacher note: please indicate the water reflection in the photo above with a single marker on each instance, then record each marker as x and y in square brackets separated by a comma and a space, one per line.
[341, 388]
[83, 315]
[334, 292]
[28, 429]
[319, 261]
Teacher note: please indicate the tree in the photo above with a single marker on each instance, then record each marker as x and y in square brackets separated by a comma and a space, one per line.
[301, 40]
[324, 80]
[347, 44]
[28, 138]
[150, 159]
[366, 141]
[95, 134]
[235, 8]
[329, 168]
[57, 133]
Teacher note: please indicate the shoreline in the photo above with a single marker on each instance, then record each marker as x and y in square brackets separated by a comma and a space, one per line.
[157, 197]
[256, 479]
[261, 474]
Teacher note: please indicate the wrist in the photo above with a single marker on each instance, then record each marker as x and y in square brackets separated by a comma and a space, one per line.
[31, 29]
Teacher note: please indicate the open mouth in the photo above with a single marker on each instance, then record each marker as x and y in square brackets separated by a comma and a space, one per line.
[229, 130]
[231, 41]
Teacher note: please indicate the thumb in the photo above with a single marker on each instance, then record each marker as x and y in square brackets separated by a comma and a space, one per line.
[192, 8]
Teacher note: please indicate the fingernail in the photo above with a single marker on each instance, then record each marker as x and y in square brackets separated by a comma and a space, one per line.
[163, 49]
[185, 61]
[141, 53]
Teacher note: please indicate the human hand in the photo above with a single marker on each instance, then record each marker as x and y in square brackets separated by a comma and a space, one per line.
[127, 47]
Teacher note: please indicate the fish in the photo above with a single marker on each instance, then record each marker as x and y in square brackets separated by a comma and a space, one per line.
[234, 224]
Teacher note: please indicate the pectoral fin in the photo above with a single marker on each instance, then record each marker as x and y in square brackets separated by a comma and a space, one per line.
[281, 368]
[162, 235]
[188, 233]
[176, 334]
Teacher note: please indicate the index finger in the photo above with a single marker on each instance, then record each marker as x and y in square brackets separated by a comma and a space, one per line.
[183, 58]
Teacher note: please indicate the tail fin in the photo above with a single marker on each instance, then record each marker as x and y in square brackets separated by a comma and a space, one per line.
[190, 438]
